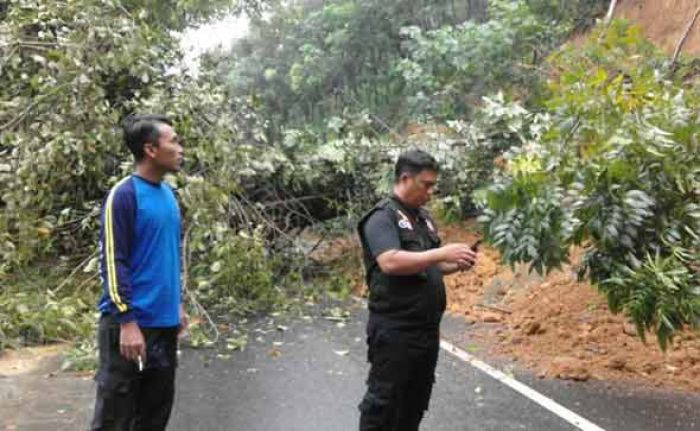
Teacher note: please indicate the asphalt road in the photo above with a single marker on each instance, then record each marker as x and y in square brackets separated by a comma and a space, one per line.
[308, 374]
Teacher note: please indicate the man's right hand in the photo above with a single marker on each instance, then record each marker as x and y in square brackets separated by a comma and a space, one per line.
[459, 253]
[131, 342]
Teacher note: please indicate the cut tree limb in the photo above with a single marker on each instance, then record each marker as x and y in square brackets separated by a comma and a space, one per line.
[684, 37]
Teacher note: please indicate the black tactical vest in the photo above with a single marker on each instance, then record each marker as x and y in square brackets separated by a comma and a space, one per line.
[416, 300]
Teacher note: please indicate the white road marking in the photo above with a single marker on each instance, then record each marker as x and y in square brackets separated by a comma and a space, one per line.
[549, 404]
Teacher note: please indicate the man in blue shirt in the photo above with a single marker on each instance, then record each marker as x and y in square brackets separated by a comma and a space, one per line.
[141, 305]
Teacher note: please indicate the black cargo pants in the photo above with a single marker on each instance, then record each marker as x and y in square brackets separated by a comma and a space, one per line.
[400, 380]
[128, 399]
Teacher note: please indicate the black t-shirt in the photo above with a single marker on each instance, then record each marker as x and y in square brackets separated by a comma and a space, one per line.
[381, 233]
[401, 301]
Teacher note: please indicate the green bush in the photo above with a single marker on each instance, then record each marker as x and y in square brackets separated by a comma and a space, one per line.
[33, 312]
[617, 170]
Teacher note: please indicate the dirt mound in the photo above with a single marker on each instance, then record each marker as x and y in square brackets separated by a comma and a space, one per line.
[561, 328]
[663, 22]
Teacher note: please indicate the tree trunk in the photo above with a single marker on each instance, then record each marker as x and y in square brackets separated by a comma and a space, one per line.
[684, 37]
[611, 12]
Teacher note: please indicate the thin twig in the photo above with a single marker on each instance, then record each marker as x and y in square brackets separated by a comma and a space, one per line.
[531, 67]
[13, 122]
[199, 309]
[37, 44]
[69, 223]
[74, 271]
[494, 307]
[185, 259]
[8, 56]
[284, 202]
[264, 219]
[243, 215]
[26, 110]
[376, 117]
[323, 237]
[87, 280]
[293, 210]
[128, 14]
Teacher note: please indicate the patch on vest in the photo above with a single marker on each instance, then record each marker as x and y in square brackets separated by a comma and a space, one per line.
[404, 222]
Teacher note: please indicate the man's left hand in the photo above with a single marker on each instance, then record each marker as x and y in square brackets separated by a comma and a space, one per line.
[182, 327]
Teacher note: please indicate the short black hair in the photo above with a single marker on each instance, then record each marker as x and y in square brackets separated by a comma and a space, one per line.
[413, 162]
[139, 129]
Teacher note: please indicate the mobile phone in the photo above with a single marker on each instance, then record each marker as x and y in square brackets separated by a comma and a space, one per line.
[475, 246]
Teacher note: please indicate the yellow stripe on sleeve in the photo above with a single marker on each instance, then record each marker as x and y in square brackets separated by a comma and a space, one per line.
[109, 251]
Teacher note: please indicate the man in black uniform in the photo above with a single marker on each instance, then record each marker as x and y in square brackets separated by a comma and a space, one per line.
[405, 264]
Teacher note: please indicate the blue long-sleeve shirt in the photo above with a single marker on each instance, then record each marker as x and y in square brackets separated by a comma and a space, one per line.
[140, 253]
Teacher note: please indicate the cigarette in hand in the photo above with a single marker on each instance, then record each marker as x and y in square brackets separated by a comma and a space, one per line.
[140, 363]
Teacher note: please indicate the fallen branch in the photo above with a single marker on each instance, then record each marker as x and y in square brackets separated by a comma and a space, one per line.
[13, 122]
[86, 281]
[74, 271]
[199, 309]
[202, 311]
[531, 67]
[284, 202]
[493, 307]
[20, 117]
[7, 57]
[684, 37]
[185, 259]
[39, 44]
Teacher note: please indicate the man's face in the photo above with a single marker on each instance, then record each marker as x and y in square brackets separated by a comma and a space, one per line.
[419, 187]
[168, 154]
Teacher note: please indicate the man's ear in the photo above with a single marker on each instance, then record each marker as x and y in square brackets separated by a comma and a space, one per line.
[406, 176]
[149, 149]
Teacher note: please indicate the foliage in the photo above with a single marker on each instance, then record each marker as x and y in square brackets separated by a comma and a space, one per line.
[448, 69]
[329, 76]
[81, 357]
[32, 314]
[469, 158]
[616, 170]
[293, 125]
[347, 162]
[69, 72]
[580, 14]
[308, 62]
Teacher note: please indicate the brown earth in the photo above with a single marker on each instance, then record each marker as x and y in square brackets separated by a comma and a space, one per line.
[29, 359]
[558, 327]
[664, 22]
[553, 326]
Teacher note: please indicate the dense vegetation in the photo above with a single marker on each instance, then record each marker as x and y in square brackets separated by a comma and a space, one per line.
[615, 168]
[298, 123]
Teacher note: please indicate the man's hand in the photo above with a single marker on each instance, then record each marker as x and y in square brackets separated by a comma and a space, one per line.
[458, 253]
[131, 342]
[182, 328]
